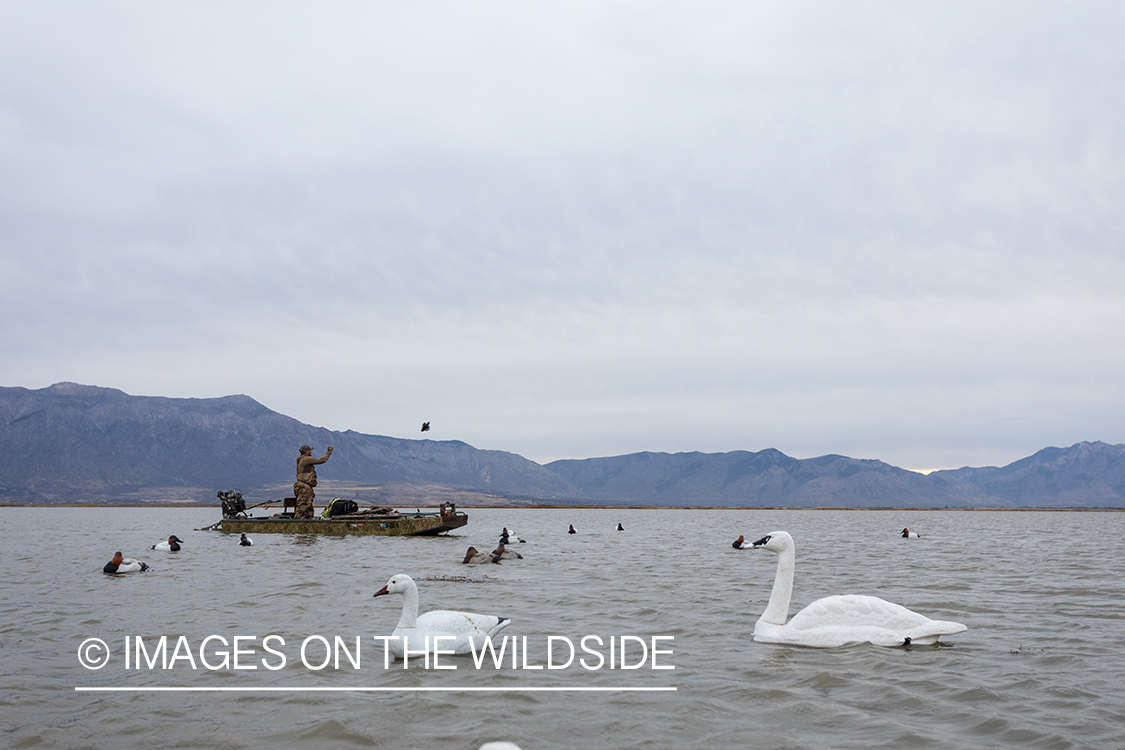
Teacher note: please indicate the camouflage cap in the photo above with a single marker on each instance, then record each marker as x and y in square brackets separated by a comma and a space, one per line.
[306, 448]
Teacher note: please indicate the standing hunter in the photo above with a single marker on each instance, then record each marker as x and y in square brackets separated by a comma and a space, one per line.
[306, 480]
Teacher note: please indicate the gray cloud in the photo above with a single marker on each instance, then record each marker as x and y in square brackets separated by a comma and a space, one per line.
[879, 230]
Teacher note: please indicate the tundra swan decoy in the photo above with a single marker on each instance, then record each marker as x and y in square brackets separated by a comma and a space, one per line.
[245, 541]
[908, 534]
[503, 553]
[121, 564]
[172, 545]
[463, 627]
[838, 620]
[475, 557]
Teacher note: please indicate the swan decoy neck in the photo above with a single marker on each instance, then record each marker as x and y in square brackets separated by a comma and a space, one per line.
[404, 584]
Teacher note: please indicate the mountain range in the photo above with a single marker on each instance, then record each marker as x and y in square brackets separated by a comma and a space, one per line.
[71, 443]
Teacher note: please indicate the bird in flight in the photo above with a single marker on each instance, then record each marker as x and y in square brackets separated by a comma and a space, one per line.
[425, 427]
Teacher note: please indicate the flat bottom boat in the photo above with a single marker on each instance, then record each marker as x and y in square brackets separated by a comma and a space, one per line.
[383, 523]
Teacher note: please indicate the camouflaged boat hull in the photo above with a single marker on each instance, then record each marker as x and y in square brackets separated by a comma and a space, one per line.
[406, 525]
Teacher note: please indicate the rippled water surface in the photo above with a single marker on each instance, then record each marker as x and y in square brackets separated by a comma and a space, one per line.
[1041, 665]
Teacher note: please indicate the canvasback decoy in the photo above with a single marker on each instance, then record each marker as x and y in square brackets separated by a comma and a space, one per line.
[503, 553]
[474, 557]
[571, 530]
[463, 627]
[620, 527]
[908, 534]
[836, 621]
[172, 545]
[509, 536]
[245, 541]
[740, 544]
[121, 564]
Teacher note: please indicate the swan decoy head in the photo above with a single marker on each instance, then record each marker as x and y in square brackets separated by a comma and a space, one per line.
[774, 542]
[397, 585]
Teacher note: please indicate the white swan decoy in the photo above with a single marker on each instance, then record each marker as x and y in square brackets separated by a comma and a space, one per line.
[741, 543]
[475, 557]
[503, 553]
[908, 534]
[172, 545]
[464, 627]
[245, 541]
[836, 621]
[121, 564]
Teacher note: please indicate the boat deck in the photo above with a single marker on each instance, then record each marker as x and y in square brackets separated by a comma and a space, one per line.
[432, 523]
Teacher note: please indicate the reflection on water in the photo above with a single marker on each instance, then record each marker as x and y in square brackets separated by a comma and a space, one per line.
[1039, 667]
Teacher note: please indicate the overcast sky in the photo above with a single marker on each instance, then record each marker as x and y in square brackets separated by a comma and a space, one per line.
[882, 229]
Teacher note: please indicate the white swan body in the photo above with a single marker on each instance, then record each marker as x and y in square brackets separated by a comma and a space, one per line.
[908, 534]
[838, 620]
[458, 629]
[121, 564]
[172, 545]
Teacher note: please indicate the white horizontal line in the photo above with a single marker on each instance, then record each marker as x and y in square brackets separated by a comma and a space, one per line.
[373, 689]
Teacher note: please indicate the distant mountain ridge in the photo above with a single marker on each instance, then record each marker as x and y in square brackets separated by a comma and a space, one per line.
[77, 443]
[73, 443]
[1085, 475]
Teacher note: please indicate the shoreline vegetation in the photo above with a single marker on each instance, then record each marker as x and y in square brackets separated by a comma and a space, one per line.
[161, 504]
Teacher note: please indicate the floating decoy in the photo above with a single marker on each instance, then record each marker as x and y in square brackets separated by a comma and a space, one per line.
[464, 627]
[121, 564]
[172, 545]
[475, 557]
[836, 621]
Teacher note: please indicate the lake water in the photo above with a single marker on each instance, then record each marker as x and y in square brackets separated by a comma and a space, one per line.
[1041, 665]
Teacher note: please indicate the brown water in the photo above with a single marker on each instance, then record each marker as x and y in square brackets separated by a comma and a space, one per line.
[1041, 665]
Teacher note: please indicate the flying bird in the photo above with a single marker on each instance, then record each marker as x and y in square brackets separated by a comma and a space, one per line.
[425, 427]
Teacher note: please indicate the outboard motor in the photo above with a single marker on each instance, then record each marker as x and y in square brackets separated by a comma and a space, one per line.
[233, 504]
